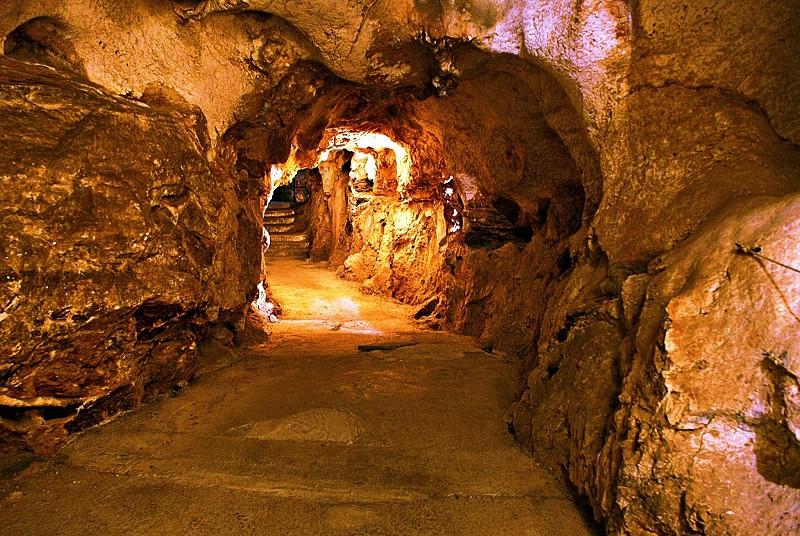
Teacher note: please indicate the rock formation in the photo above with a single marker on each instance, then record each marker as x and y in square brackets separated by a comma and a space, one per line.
[565, 180]
[119, 249]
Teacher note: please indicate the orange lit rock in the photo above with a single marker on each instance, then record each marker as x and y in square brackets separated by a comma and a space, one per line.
[115, 255]
[605, 158]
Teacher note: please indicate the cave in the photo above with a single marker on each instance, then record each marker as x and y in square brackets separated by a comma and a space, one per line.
[413, 267]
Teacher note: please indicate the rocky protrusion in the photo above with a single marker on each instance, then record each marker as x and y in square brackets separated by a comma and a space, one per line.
[120, 245]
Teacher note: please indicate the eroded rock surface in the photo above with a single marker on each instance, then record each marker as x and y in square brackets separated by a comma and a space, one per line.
[118, 250]
[603, 158]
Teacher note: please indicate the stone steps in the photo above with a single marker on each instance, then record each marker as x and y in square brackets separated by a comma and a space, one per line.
[294, 249]
[287, 238]
[280, 212]
[281, 228]
[270, 220]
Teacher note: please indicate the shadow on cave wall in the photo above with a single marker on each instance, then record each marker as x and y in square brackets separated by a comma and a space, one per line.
[44, 40]
[777, 449]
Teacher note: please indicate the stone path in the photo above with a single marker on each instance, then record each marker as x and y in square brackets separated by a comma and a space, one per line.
[309, 435]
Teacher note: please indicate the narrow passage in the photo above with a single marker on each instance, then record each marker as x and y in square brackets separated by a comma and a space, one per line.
[307, 434]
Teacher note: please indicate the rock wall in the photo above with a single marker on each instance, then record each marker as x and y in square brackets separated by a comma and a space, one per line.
[395, 249]
[363, 228]
[607, 156]
[585, 300]
[713, 447]
[118, 251]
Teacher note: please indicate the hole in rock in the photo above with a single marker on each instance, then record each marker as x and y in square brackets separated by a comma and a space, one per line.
[44, 40]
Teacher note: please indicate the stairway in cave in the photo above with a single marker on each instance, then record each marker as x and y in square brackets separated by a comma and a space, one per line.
[288, 231]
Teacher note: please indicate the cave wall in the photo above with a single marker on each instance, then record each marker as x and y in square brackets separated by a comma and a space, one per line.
[658, 366]
[585, 303]
[371, 236]
[696, 158]
[710, 387]
[694, 155]
[331, 221]
[327, 206]
[521, 117]
[127, 47]
[395, 249]
[118, 251]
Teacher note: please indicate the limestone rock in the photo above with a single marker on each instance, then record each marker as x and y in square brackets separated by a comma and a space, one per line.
[613, 152]
[118, 249]
[726, 412]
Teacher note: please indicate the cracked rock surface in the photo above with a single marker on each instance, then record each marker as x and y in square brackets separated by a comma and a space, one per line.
[604, 158]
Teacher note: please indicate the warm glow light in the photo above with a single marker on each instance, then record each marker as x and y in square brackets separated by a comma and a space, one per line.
[275, 173]
[372, 167]
[403, 219]
[347, 305]
[364, 162]
[358, 141]
[339, 306]
[451, 213]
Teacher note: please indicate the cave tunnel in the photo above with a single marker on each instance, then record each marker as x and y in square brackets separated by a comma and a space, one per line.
[470, 267]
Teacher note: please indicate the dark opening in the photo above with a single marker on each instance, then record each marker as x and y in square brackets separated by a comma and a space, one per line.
[298, 192]
[43, 40]
[283, 194]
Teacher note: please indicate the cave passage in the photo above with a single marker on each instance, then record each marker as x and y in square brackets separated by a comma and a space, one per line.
[328, 267]
[313, 433]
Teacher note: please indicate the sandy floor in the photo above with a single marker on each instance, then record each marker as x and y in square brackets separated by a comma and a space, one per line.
[309, 435]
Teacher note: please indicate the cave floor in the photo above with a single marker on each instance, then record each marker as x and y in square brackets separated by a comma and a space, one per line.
[308, 435]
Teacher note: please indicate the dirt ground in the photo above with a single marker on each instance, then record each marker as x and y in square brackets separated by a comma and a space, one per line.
[307, 434]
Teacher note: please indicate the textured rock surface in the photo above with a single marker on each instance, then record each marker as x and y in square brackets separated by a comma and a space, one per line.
[117, 250]
[602, 179]
[726, 411]
[309, 435]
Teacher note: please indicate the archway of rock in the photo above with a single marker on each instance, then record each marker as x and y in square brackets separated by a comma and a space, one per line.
[600, 195]
[500, 169]
[419, 197]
